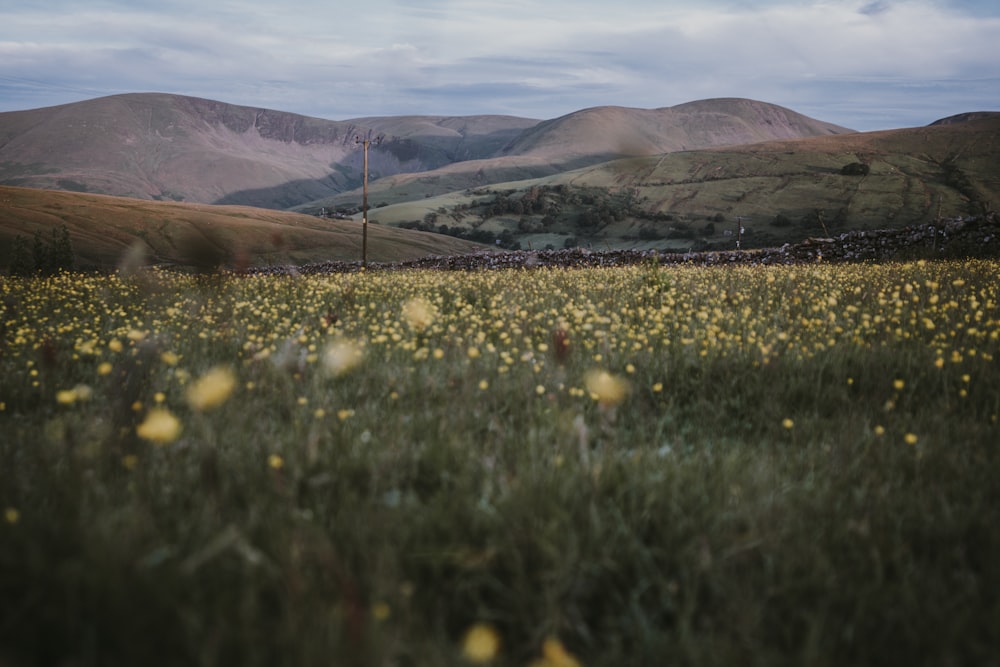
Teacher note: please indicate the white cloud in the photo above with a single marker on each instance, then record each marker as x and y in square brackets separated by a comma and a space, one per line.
[869, 63]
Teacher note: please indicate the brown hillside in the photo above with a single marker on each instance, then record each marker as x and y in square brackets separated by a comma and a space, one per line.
[168, 147]
[597, 135]
[103, 229]
[173, 148]
[624, 132]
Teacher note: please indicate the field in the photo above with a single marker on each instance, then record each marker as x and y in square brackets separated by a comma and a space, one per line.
[646, 465]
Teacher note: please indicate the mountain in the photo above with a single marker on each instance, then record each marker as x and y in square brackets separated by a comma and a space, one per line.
[169, 147]
[596, 135]
[610, 132]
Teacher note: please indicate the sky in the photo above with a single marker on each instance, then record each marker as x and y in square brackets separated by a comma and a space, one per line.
[863, 64]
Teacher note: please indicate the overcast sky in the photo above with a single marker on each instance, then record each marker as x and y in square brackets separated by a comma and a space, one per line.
[863, 64]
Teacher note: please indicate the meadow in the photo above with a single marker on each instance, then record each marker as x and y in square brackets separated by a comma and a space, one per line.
[647, 465]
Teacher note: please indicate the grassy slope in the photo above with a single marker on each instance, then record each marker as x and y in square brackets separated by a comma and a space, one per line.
[103, 228]
[910, 182]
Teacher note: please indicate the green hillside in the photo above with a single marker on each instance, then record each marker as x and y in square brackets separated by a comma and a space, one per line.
[781, 192]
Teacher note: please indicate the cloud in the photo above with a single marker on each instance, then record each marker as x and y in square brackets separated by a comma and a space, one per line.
[866, 62]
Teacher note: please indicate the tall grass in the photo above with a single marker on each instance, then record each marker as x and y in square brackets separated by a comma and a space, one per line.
[784, 465]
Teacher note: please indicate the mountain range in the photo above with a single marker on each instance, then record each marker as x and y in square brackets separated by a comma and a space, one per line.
[653, 176]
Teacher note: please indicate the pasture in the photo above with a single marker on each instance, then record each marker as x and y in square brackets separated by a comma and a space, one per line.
[644, 465]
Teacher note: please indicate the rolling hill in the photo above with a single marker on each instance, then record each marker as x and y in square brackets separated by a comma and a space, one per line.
[175, 148]
[781, 191]
[702, 175]
[104, 230]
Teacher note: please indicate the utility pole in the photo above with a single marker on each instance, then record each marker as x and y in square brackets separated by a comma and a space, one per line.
[364, 197]
[739, 230]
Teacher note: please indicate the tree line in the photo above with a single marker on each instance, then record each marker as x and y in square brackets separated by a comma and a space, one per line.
[42, 256]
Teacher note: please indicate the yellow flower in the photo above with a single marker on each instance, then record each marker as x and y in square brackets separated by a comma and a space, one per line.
[160, 427]
[104, 369]
[11, 515]
[910, 438]
[658, 387]
[341, 356]
[212, 389]
[381, 611]
[481, 643]
[898, 385]
[275, 462]
[130, 461]
[788, 423]
[554, 654]
[418, 314]
[879, 431]
[169, 358]
[66, 397]
[607, 389]
[484, 385]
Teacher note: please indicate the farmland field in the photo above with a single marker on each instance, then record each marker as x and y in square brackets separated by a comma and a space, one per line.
[644, 465]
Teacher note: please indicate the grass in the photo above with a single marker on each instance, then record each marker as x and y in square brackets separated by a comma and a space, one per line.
[783, 465]
[104, 229]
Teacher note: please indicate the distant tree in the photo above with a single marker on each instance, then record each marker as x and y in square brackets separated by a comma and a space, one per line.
[20, 257]
[855, 169]
[40, 255]
[61, 250]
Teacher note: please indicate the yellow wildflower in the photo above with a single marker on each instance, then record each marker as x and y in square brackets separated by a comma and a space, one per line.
[11, 515]
[275, 462]
[66, 397]
[481, 643]
[910, 438]
[788, 423]
[160, 427]
[381, 611]
[554, 654]
[212, 389]
[418, 314]
[341, 356]
[607, 389]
